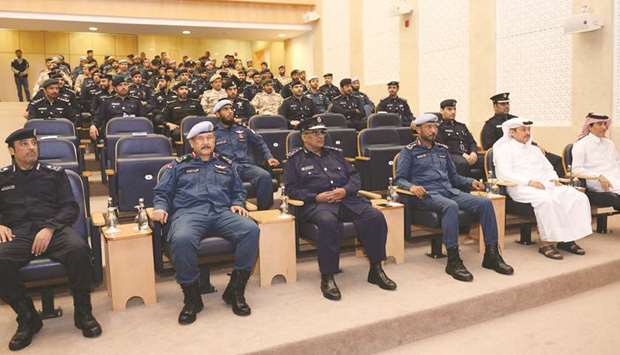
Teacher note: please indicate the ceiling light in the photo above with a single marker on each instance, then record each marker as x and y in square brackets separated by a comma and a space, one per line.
[186, 32]
[282, 35]
[93, 28]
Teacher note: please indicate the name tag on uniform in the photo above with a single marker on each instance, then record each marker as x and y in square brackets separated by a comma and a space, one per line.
[192, 170]
[7, 187]
[307, 167]
[442, 156]
[421, 156]
[220, 169]
[223, 141]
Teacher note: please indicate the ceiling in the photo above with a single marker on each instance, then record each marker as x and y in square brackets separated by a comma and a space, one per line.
[108, 24]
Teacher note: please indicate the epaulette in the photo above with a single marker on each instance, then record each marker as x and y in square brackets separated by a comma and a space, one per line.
[333, 148]
[52, 167]
[135, 97]
[37, 100]
[5, 169]
[412, 145]
[70, 90]
[224, 158]
[184, 158]
[59, 98]
[294, 151]
[441, 145]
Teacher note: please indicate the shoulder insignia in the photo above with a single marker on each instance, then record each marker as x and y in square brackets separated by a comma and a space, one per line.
[224, 159]
[5, 169]
[134, 97]
[52, 167]
[184, 158]
[294, 151]
[333, 148]
[36, 101]
[441, 145]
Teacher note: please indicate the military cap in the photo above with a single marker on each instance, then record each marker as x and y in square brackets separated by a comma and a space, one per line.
[163, 77]
[266, 82]
[21, 133]
[199, 128]
[220, 105]
[312, 123]
[354, 79]
[294, 72]
[345, 81]
[119, 79]
[328, 75]
[106, 76]
[215, 77]
[393, 83]
[426, 118]
[123, 61]
[281, 66]
[313, 77]
[180, 84]
[49, 82]
[501, 97]
[448, 103]
[295, 83]
[135, 72]
[229, 84]
[56, 75]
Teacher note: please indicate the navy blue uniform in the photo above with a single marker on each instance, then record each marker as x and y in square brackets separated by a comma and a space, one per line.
[320, 100]
[117, 106]
[459, 140]
[251, 90]
[197, 195]
[398, 106]
[307, 175]
[331, 91]
[352, 109]
[233, 142]
[242, 108]
[43, 108]
[434, 170]
[297, 108]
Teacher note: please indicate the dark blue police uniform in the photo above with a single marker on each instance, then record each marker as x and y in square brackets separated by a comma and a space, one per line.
[434, 170]
[232, 142]
[198, 195]
[308, 174]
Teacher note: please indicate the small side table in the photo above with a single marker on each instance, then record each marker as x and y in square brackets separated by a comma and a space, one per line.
[499, 205]
[129, 265]
[395, 218]
[276, 251]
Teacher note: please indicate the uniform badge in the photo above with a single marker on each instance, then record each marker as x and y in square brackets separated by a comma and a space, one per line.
[223, 141]
[421, 156]
[191, 170]
[220, 169]
[7, 187]
[307, 167]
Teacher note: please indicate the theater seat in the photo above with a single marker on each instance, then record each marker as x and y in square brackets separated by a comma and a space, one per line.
[274, 130]
[377, 148]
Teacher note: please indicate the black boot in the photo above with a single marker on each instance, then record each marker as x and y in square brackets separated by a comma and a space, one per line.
[235, 292]
[455, 267]
[377, 276]
[493, 260]
[83, 314]
[28, 323]
[329, 288]
[192, 301]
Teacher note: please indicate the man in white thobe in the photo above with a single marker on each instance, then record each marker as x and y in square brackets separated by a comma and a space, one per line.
[562, 212]
[596, 158]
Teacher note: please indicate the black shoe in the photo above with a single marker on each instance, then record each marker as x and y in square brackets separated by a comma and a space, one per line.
[329, 288]
[377, 276]
[83, 314]
[28, 323]
[192, 303]
[571, 247]
[493, 260]
[455, 267]
[234, 294]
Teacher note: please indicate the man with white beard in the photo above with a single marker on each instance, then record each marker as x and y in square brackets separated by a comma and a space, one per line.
[562, 213]
[596, 156]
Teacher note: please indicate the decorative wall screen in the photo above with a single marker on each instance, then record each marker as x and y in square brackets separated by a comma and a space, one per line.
[381, 38]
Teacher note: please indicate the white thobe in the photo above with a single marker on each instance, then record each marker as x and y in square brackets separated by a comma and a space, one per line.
[596, 156]
[562, 212]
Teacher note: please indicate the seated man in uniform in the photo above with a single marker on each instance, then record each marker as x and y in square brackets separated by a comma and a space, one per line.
[461, 144]
[179, 108]
[562, 212]
[425, 169]
[596, 155]
[201, 194]
[232, 142]
[50, 105]
[37, 210]
[319, 176]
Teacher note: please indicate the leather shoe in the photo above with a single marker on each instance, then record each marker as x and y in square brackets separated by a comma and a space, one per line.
[493, 260]
[28, 323]
[455, 267]
[329, 288]
[571, 247]
[192, 301]
[377, 276]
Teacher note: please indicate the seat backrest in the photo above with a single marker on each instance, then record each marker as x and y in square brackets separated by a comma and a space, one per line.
[152, 144]
[259, 122]
[120, 125]
[52, 127]
[57, 149]
[489, 165]
[293, 141]
[567, 157]
[383, 119]
[331, 119]
[77, 187]
[189, 121]
[374, 136]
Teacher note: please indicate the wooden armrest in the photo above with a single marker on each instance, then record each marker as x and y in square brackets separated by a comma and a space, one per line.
[178, 142]
[564, 180]
[87, 173]
[100, 145]
[109, 172]
[506, 183]
[369, 195]
[586, 177]
[359, 157]
[277, 170]
[349, 159]
[250, 206]
[297, 203]
[149, 212]
[405, 192]
[98, 220]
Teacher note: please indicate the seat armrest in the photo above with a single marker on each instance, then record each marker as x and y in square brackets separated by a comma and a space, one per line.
[250, 206]
[97, 219]
[405, 192]
[369, 195]
[359, 157]
[296, 203]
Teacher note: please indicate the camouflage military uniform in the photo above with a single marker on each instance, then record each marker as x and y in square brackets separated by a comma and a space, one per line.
[210, 97]
[267, 104]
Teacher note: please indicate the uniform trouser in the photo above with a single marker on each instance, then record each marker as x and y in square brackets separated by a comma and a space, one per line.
[464, 169]
[22, 82]
[357, 124]
[604, 199]
[370, 226]
[448, 210]
[261, 181]
[175, 134]
[66, 247]
[188, 228]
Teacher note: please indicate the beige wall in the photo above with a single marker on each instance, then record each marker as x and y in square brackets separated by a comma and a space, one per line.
[178, 46]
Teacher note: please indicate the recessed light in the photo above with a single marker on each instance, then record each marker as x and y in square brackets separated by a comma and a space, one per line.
[281, 35]
[93, 28]
[186, 32]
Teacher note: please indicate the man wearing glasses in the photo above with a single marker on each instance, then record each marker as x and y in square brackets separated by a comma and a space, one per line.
[319, 176]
